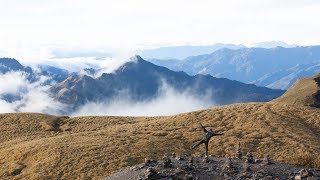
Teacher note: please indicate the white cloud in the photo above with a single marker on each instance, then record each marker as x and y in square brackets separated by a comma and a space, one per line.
[12, 82]
[33, 97]
[6, 107]
[168, 102]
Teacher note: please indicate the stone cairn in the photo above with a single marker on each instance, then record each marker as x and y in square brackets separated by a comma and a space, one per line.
[246, 167]
[266, 160]
[249, 158]
[166, 162]
[190, 162]
[151, 174]
[228, 166]
[238, 152]
[147, 162]
[206, 159]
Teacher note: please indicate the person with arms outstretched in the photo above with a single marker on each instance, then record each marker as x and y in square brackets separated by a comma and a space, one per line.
[205, 140]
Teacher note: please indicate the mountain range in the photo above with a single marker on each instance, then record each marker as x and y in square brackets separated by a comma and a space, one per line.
[142, 80]
[181, 52]
[276, 68]
[139, 81]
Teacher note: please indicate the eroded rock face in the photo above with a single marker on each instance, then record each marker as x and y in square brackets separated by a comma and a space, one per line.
[188, 167]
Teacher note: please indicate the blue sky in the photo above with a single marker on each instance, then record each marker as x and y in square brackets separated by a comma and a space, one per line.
[128, 24]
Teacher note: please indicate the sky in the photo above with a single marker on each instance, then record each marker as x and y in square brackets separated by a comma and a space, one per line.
[34, 27]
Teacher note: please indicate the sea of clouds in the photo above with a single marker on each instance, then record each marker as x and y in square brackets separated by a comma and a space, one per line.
[34, 96]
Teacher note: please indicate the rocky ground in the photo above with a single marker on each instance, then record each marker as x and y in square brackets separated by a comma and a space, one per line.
[188, 168]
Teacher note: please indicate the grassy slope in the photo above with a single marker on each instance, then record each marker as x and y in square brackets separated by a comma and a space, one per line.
[45, 146]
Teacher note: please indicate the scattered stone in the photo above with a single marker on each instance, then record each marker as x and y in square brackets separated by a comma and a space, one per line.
[249, 158]
[247, 167]
[262, 174]
[173, 155]
[186, 168]
[179, 158]
[218, 168]
[189, 177]
[312, 178]
[244, 175]
[206, 160]
[147, 162]
[266, 160]
[167, 162]
[297, 177]
[190, 161]
[151, 174]
[304, 173]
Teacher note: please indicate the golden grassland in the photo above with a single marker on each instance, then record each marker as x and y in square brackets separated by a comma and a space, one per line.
[38, 146]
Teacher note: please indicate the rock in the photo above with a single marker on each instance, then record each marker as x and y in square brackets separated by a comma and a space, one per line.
[238, 152]
[297, 177]
[304, 173]
[179, 158]
[266, 160]
[188, 177]
[217, 168]
[249, 158]
[147, 162]
[312, 178]
[151, 174]
[186, 168]
[167, 162]
[244, 175]
[190, 161]
[247, 167]
[257, 161]
[228, 167]
[206, 160]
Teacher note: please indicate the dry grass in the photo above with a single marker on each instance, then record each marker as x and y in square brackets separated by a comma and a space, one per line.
[92, 147]
[37, 146]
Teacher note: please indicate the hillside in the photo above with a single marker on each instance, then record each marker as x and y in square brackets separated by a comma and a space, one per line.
[305, 92]
[39, 146]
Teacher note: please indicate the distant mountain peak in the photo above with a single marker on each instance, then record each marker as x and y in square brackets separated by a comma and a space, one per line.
[10, 62]
[273, 44]
[136, 58]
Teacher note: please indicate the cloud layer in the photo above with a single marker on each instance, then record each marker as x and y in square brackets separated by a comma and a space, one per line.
[17, 94]
[168, 102]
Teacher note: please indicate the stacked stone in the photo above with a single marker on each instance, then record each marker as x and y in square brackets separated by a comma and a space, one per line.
[190, 162]
[238, 152]
[151, 174]
[246, 167]
[147, 162]
[249, 158]
[266, 160]
[206, 160]
[228, 166]
[166, 162]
